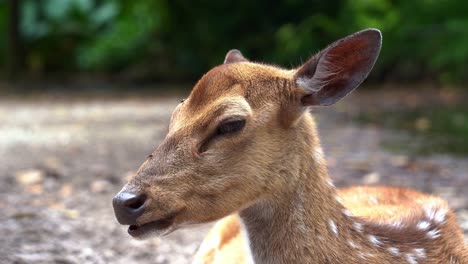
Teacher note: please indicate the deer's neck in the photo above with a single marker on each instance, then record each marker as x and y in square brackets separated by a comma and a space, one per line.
[306, 223]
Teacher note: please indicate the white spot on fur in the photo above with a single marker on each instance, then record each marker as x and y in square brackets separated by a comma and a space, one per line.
[440, 216]
[435, 214]
[353, 245]
[433, 234]
[365, 255]
[394, 251]
[453, 261]
[423, 225]
[357, 226]
[347, 213]
[420, 252]
[318, 156]
[374, 240]
[373, 200]
[397, 224]
[411, 259]
[333, 227]
[338, 199]
[330, 183]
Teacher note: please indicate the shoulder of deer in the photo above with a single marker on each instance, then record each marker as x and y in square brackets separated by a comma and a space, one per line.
[402, 221]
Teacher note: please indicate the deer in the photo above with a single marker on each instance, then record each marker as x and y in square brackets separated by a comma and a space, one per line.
[243, 150]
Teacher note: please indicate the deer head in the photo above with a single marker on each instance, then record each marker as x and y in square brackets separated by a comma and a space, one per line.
[240, 126]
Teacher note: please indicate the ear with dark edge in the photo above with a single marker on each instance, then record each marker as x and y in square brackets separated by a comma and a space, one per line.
[234, 56]
[338, 69]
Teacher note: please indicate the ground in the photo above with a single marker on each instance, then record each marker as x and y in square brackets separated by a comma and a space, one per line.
[62, 161]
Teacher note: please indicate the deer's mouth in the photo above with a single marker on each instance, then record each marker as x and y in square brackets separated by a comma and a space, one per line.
[160, 227]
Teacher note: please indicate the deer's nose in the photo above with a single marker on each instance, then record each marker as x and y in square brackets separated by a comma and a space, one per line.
[128, 207]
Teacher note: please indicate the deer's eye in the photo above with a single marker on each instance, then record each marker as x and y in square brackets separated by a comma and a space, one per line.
[229, 127]
[226, 127]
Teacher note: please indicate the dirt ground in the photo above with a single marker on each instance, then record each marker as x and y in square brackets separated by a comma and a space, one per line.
[63, 160]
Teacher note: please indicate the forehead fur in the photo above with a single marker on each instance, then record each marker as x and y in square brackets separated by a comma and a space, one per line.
[244, 79]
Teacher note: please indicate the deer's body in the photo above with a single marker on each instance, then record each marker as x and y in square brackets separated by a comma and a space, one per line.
[227, 243]
[244, 142]
[315, 223]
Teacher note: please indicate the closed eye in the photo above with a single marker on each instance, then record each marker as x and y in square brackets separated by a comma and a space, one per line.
[229, 127]
[225, 128]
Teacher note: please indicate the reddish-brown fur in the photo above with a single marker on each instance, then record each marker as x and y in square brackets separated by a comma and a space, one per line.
[269, 181]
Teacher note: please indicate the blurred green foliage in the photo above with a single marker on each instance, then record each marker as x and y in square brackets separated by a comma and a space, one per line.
[3, 28]
[182, 39]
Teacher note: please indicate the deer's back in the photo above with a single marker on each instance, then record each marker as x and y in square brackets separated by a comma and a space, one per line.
[400, 216]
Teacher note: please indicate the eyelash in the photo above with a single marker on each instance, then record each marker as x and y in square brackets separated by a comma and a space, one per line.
[230, 127]
[225, 128]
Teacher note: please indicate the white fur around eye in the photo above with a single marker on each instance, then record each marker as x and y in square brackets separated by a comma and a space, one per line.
[236, 106]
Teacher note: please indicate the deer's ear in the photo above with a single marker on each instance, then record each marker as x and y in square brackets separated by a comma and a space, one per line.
[234, 56]
[339, 69]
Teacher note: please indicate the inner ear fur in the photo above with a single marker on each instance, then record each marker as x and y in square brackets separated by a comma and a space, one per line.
[339, 68]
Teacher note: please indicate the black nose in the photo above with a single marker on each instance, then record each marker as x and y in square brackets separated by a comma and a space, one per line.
[128, 207]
